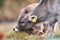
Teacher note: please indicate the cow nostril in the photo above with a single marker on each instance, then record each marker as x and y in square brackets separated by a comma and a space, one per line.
[14, 29]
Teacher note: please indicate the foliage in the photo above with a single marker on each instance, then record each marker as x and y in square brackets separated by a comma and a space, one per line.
[1, 3]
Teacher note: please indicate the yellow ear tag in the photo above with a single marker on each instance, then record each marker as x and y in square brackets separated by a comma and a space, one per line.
[34, 20]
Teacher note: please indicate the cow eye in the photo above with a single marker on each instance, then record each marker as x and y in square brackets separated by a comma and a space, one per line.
[26, 12]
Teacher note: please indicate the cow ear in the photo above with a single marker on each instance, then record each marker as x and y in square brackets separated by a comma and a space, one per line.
[26, 11]
[34, 19]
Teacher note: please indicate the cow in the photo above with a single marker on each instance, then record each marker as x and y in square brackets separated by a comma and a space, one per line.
[24, 11]
[46, 11]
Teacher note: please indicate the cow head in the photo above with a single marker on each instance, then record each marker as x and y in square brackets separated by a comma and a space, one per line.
[25, 22]
[28, 19]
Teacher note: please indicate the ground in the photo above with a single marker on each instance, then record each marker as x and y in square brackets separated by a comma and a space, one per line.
[7, 28]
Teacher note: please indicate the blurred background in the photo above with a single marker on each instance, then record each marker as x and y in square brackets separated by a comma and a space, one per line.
[9, 12]
[9, 9]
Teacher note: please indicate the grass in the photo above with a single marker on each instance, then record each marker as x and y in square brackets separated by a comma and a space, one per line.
[57, 36]
[25, 36]
[22, 36]
[11, 35]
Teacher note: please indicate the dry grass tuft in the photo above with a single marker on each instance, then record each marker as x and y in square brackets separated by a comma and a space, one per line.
[22, 36]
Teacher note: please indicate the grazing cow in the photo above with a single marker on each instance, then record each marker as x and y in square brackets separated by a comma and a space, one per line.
[46, 11]
[25, 11]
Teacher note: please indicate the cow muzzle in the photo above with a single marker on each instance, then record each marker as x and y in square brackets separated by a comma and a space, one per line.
[15, 29]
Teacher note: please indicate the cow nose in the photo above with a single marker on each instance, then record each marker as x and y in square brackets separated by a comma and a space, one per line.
[13, 29]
